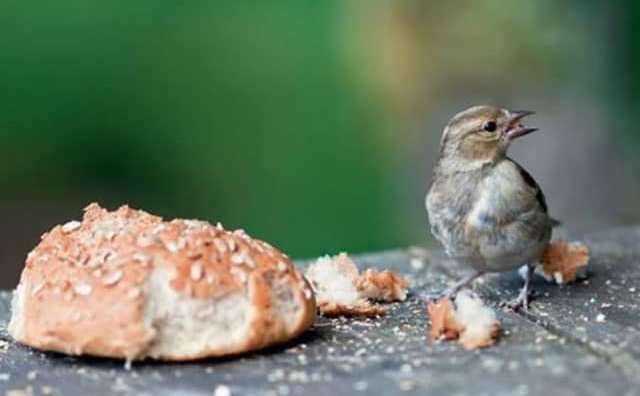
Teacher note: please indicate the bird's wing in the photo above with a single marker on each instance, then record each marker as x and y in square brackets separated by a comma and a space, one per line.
[531, 182]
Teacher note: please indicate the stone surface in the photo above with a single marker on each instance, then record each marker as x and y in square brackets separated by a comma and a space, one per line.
[580, 339]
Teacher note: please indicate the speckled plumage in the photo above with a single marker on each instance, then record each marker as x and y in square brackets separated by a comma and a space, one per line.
[485, 209]
[493, 220]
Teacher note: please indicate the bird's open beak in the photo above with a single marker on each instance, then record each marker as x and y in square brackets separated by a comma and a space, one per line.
[515, 129]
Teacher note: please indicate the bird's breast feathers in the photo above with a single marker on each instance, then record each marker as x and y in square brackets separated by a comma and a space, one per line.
[501, 217]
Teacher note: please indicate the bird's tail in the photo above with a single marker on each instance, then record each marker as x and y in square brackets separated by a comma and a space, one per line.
[555, 222]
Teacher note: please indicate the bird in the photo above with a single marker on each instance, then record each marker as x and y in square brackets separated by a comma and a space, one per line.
[486, 210]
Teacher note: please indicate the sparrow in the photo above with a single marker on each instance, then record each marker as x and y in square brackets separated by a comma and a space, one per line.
[484, 208]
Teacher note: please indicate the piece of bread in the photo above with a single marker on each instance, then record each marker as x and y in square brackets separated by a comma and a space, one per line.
[384, 286]
[564, 262]
[470, 321]
[342, 291]
[125, 284]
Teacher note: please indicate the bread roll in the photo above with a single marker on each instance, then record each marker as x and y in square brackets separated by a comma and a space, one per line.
[126, 284]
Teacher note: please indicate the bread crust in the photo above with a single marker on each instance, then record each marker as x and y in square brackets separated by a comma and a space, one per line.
[85, 288]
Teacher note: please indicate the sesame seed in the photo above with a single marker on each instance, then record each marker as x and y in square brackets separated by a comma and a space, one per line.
[141, 257]
[71, 226]
[37, 289]
[192, 223]
[220, 245]
[112, 278]
[248, 260]
[239, 273]
[97, 273]
[134, 293]
[83, 289]
[172, 247]
[196, 271]
[237, 258]
[232, 245]
[282, 266]
[94, 263]
[160, 227]
[144, 241]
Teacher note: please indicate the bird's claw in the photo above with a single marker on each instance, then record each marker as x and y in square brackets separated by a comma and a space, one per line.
[520, 304]
[517, 305]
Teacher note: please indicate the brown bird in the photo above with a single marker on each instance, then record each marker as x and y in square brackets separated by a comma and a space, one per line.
[485, 209]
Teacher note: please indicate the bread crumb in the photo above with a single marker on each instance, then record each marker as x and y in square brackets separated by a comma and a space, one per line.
[4, 346]
[28, 391]
[563, 262]
[222, 390]
[382, 286]
[361, 309]
[444, 325]
[471, 322]
[342, 291]
[334, 281]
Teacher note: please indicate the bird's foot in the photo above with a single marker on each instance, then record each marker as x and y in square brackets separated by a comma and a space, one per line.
[520, 304]
[516, 305]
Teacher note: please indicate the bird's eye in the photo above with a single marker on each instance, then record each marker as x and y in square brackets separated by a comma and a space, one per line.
[490, 126]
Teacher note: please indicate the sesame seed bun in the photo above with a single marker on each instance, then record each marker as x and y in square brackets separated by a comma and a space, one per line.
[126, 284]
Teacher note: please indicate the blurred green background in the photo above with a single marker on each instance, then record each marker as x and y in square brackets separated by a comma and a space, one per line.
[313, 125]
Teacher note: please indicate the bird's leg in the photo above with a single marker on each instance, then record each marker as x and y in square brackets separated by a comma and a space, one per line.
[522, 302]
[464, 282]
[453, 290]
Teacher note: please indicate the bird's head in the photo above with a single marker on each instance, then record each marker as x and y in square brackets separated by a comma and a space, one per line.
[481, 135]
